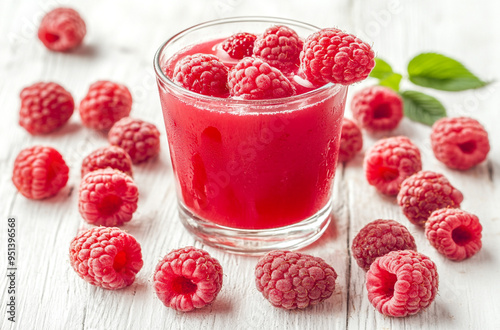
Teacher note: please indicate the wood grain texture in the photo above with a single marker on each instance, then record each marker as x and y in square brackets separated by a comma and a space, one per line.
[122, 39]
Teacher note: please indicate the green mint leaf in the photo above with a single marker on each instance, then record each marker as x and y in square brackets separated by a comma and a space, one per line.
[422, 108]
[392, 81]
[441, 72]
[381, 70]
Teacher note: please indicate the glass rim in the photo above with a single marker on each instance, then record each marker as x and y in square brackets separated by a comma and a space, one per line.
[163, 77]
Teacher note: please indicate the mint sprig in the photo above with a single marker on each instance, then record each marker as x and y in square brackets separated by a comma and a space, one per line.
[422, 108]
[429, 70]
[441, 72]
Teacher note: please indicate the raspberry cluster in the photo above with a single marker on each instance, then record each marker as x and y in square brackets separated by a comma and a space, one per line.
[425, 192]
[390, 161]
[268, 62]
[187, 278]
[351, 140]
[378, 238]
[377, 108]
[62, 29]
[45, 107]
[402, 283]
[454, 233]
[39, 172]
[293, 280]
[106, 257]
[460, 143]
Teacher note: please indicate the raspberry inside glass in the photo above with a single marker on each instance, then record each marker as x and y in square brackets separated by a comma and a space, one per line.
[120, 261]
[467, 147]
[182, 285]
[461, 235]
[109, 204]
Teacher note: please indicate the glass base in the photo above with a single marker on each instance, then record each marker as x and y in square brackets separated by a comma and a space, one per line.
[257, 242]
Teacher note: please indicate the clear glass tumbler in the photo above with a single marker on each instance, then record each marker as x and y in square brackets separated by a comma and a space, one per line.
[252, 175]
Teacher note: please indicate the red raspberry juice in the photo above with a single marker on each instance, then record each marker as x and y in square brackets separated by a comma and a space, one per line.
[252, 164]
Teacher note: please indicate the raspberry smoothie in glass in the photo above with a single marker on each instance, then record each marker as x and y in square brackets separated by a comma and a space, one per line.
[252, 175]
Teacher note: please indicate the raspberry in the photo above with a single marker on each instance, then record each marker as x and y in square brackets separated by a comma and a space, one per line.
[254, 79]
[239, 45]
[110, 156]
[456, 234]
[460, 143]
[187, 278]
[107, 197]
[330, 55]
[39, 172]
[389, 162]
[62, 29]
[377, 108]
[351, 140]
[45, 107]
[140, 139]
[293, 280]
[105, 103]
[425, 192]
[402, 283]
[378, 238]
[106, 257]
[279, 46]
[202, 73]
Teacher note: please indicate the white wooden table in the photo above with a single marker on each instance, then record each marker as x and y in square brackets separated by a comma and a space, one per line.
[120, 44]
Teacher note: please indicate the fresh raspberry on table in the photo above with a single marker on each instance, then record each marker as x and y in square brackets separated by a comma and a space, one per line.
[425, 192]
[456, 234]
[330, 55]
[188, 278]
[239, 45]
[202, 73]
[253, 79]
[39, 172]
[402, 283]
[378, 238]
[140, 139]
[351, 140]
[460, 143]
[106, 257]
[107, 197]
[109, 156]
[105, 103]
[62, 29]
[377, 108]
[45, 107]
[280, 46]
[293, 280]
[389, 161]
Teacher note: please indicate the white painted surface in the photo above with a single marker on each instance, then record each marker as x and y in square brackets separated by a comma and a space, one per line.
[122, 38]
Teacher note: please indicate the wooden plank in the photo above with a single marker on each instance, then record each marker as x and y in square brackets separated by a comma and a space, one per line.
[121, 42]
